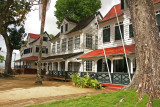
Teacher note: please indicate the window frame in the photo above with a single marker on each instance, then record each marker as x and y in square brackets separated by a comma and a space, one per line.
[89, 64]
[107, 28]
[53, 48]
[70, 43]
[58, 47]
[89, 41]
[77, 42]
[122, 31]
[64, 45]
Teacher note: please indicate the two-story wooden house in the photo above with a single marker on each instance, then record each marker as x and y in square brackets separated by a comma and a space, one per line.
[110, 44]
[29, 52]
[73, 40]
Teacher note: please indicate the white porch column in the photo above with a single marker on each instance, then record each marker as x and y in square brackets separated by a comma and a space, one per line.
[111, 65]
[66, 65]
[47, 66]
[131, 66]
[95, 65]
[82, 66]
[52, 66]
[72, 66]
[59, 66]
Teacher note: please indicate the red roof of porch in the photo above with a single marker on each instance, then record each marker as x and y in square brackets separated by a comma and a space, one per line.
[32, 58]
[110, 51]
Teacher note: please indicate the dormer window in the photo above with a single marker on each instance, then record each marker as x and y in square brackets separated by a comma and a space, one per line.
[66, 27]
[45, 39]
[61, 29]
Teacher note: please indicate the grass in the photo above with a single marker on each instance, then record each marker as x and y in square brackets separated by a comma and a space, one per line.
[104, 100]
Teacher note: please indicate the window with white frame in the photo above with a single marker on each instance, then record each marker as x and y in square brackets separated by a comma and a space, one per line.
[45, 50]
[89, 41]
[66, 27]
[131, 30]
[61, 29]
[106, 34]
[117, 31]
[89, 65]
[77, 42]
[70, 43]
[63, 45]
[158, 19]
[53, 48]
[58, 46]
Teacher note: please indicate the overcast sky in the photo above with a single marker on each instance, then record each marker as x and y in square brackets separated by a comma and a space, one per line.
[32, 23]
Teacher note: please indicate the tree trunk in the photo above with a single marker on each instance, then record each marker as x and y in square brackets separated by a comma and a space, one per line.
[38, 78]
[9, 53]
[147, 40]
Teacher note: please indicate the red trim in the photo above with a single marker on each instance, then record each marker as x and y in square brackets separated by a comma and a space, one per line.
[34, 36]
[110, 51]
[112, 85]
[32, 58]
[111, 14]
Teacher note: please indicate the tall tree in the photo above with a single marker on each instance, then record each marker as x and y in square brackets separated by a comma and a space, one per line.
[75, 9]
[12, 13]
[43, 17]
[147, 40]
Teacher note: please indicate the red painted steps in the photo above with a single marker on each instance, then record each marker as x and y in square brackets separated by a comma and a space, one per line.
[112, 87]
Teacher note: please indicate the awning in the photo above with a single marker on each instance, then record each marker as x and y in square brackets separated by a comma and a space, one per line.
[32, 58]
[64, 56]
[130, 49]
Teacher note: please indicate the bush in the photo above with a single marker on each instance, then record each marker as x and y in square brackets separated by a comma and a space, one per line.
[85, 82]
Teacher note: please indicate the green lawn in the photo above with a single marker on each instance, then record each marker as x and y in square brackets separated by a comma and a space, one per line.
[103, 100]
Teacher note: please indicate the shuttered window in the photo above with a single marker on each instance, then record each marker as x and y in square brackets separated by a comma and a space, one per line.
[58, 46]
[61, 29]
[66, 27]
[106, 34]
[158, 19]
[77, 42]
[117, 31]
[70, 44]
[89, 65]
[63, 45]
[53, 48]
[131, 31]
[89, 41]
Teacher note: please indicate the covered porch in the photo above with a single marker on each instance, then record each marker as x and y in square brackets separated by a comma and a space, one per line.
[115, 64]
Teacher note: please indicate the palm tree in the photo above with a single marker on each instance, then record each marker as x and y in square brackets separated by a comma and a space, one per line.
[42, 4]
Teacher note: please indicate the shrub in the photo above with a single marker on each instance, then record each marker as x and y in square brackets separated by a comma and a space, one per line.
[85, 82]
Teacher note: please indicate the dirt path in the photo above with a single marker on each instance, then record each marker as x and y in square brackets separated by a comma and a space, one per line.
[20, 91]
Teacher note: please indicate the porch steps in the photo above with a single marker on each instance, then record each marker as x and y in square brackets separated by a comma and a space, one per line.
[113, 87]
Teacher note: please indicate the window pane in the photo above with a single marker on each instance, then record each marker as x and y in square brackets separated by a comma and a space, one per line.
[158, 21]
[89, 65]
[64, 45]
[77, 42]
[88, 41]
[61, 29]
[70, 43]
[117, 32]
[66, 27]
[131, 31]
[106, 35]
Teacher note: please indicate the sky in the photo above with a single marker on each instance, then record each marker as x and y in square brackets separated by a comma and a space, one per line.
[32, 22]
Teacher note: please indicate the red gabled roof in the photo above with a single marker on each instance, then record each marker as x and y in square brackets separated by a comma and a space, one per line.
[110, 51]
[111, 14]
[156, 1]
[31, 58]
[34, 36]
